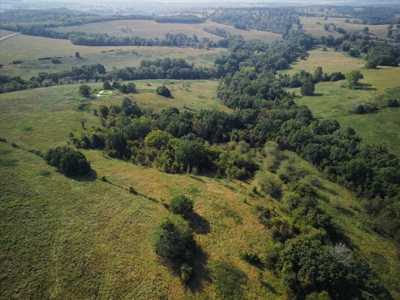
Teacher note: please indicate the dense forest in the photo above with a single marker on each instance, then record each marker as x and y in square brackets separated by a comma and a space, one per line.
[277, 20]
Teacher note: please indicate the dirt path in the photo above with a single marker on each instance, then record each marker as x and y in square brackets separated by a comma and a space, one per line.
[8, 36]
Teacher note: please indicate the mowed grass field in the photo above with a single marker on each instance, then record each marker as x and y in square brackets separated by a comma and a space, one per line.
[29, 49]
[151, 29]
[315, 26]
[334, 99]
[83, 238]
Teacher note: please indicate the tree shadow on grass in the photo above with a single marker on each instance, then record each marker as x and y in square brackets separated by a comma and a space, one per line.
[201, 272]
[199, 224]
[269, 287]
[365, 87]
[91, 176]
[318, 94]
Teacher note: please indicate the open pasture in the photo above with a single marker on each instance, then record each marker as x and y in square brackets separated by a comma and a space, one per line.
[4, 33]
[335, 99]
[83, 237]
[44, 116]
[151, 29]
[29, 49]
[315, 26]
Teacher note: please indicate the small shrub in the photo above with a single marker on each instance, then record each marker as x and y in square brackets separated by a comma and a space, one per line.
[250, 257]
[271, 186]
[163, 91]
[393, 103]
[186, 273]
[181, 205]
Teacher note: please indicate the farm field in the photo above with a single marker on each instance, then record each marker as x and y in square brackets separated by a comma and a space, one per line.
[333, 99]
[82, 237]
[151, 29]
[15, 49]
[315, 26]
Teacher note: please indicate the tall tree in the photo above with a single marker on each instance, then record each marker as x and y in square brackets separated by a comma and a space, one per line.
[353, 78]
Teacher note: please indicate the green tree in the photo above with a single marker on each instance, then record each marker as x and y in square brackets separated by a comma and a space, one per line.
[104, 111]
[318, 74]
[157, 139]
[181, 205]
[77, 55]
[163, 91]
[353, 77]
[85, 90]
[69, 161]
[171, 237]
[74, 163]
[107, 85]
[307, 89]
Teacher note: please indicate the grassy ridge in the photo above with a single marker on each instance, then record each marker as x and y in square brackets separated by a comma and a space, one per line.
[334, 99]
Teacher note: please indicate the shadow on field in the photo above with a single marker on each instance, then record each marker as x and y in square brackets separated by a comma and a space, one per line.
[199, 224]
[365, 87]
[201, 272]
[318, 94]
[91, 176]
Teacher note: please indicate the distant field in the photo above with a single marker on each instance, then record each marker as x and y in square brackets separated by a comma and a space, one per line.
[151, 29]
[4, 33]
[42, 113]
[334, 100]
[16, 49]
[315, 26]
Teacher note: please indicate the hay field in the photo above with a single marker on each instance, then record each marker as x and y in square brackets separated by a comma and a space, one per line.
[29, 49]
[335, 99]
[315, 26]
[151, 29]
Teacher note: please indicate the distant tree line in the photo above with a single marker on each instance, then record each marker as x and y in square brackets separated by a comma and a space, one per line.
[186, 19]
[159, 69]
[277, 20]
[222, 33]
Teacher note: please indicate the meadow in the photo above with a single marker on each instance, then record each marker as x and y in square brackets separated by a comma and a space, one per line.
[4, 33]
[334, 100]
[15, 49]
[151, 29]
[82, 237]
[315, 26]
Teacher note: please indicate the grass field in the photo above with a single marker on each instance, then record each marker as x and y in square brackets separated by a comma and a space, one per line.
[59, 103]
[4, 33]
[83, 238]
[334, 99]
[151, 29]
[315, 26]
[16, 48]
